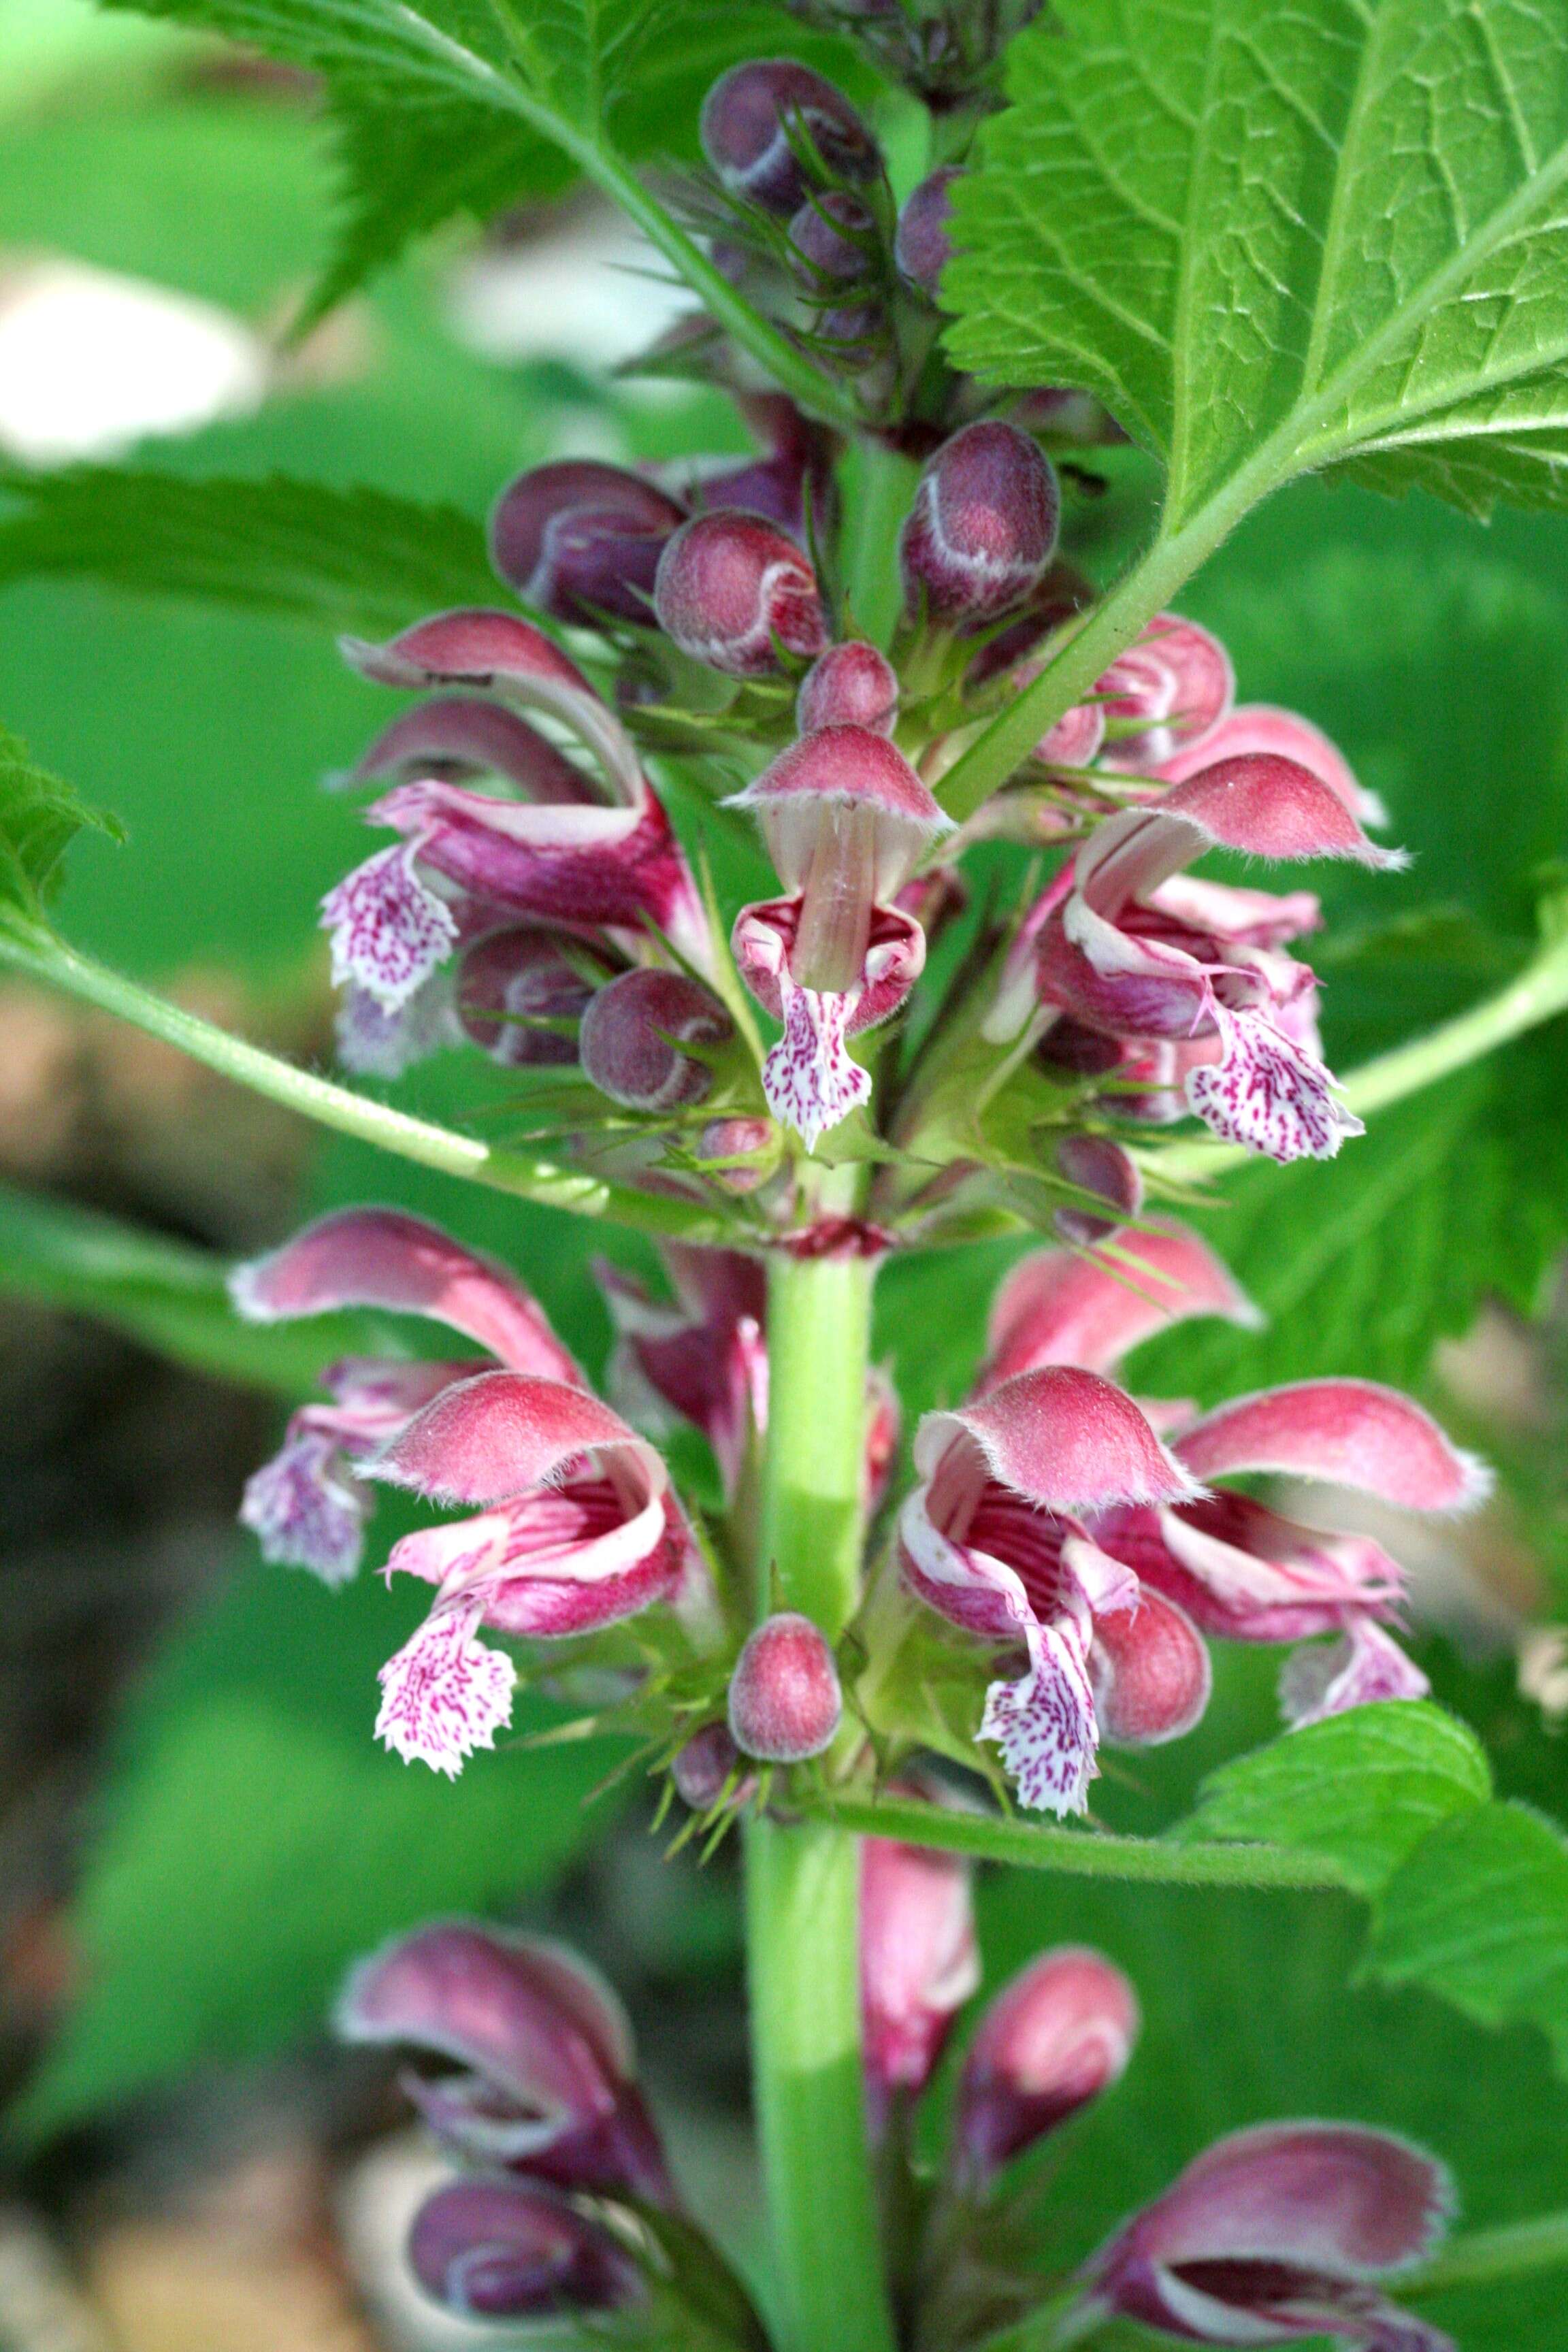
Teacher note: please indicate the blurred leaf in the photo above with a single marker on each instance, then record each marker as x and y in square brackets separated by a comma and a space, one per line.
[1342, 241]
[1480, 1913]
[335, 559]
[1247, 2019]
[168, 1294]
[1362, 1788]
[255, 1839]
[40, 819]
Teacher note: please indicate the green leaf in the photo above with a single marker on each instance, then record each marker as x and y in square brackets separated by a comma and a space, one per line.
[40, 819]
[1275, 238]
[168, 1294]
[1362, 1788]
[255, 1839]
[1480, 1913]
[355, 558]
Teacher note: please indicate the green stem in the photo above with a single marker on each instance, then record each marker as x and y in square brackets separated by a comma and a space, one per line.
[1514, 2249]
[1539, 994]
[533, 1177]
[803, 1879]
[1084, 1854]
[879, 489]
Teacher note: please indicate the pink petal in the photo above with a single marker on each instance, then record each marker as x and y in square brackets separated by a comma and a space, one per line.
[471, 644]
[1064, 1438]
[1269, 1094]
[1348, 1432]
[1232, 918]
[500, 1434]
[1055, 2038]
[1151, 1673]
[764, 941]
[1119, 982]
[1358, 1668]
[444, 1694]
[919, 1958]
[1272, 807]
[382, 1258]
[1178, 679]
[1240, 1569]
[389, 933]
[1075, 738]
[465, 735]
[1045, 1724]
[1059, 1306]
[703, 1360]
[1263, 727]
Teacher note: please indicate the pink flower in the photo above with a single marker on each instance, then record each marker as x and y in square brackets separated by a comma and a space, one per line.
[1053, 2040]
[703, 1358]
[919, 1964]
[1236, 1567]
[1165, 694]
[576, 1528]
[1281, 2232]
[847, 820]
[567, 846]
[996, 1538]
[1125, 945]
[548, 2081]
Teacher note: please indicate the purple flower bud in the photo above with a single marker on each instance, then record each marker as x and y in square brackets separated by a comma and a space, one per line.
[755, 1141]
[702, 1768]
[848, 685]
[919, 1962]
[922, 247]
[1278, 2234]
[632, 1033]
[506, 2250]
[792, 485]
[512, 978]
[1056, 2037]
[784, 1699]
[834, 237]
[983, 528]
[731, 589]
[762, 120]
[1097, 1165]
[580, 539]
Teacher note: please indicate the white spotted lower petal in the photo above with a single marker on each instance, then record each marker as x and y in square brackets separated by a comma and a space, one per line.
[445, 1693]
[1357, 1668]
[811, 1079]
[1045, 1724]
[308, 1509]
[1268, 1093]
[389, 932]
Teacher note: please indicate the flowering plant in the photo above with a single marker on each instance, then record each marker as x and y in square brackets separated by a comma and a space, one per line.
[1007, 979]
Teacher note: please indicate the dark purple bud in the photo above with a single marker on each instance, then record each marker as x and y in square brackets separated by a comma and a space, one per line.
[1056, 2037]
[732, 588]
[793, 485]
[701, 1770]
[784, 1699]
[848, 685]
[983, 526]
[834, 237]
[580, 539]
[1097, 1165]
[514, 978]
[632, 1033]
[1068, 1045]
[763, 120]
[510, 2249]
[922, 247]
[752, 1145]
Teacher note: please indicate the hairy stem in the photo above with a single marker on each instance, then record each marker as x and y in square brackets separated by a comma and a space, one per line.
[534, 1177]
[802, 1878]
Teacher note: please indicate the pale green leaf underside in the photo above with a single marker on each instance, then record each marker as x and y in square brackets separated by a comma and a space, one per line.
[1276, 237]
[39, 818]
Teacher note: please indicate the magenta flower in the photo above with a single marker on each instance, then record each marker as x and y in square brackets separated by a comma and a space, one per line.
[1164, 695]
[576, 1525]
[1123, 945]
[1236, 1567]
[517, 2250]
[581, 540]
[919, 1964]
[847, 820]
[1280, 2233]
[1053, 2040]
[547, 2083]
[565, 846]
[996, 1537]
